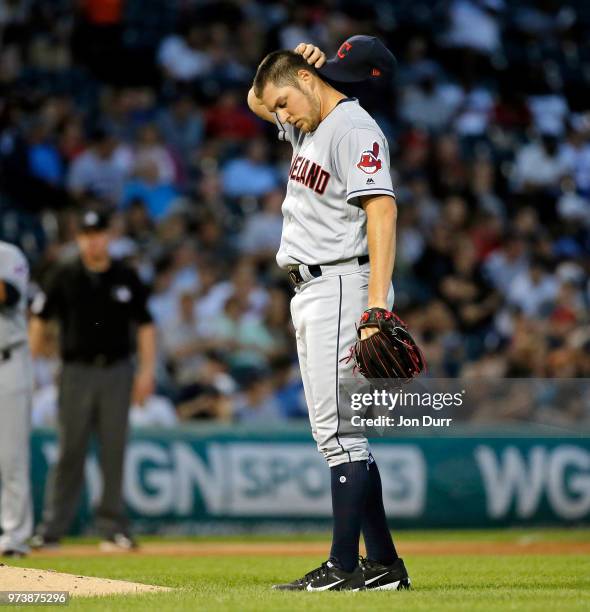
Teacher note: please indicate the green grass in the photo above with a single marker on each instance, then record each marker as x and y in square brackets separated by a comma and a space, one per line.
[242, 583]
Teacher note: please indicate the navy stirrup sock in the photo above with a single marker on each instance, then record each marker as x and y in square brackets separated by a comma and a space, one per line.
[376, 532]
[349, 490]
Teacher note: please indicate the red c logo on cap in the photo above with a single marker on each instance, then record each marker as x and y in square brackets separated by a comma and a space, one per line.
[345, 47]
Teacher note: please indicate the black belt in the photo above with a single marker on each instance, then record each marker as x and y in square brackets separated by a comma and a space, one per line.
[100, 360]
[316, 270]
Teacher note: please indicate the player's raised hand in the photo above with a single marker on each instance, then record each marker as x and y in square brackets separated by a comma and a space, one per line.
[314, 55]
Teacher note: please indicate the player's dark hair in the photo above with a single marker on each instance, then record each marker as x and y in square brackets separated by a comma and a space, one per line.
[280, 68]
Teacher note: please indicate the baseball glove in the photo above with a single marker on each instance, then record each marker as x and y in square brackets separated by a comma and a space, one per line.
[389, 353]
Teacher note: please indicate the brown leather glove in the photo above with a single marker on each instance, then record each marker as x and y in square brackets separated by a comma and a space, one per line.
[389, 353]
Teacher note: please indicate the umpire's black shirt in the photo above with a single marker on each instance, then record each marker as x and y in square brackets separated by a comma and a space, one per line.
[97, 311]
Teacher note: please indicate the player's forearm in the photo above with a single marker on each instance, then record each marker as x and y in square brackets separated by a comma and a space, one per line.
[9, 294]
[146, 348]
[37, 336]
[258, 108]
[381, 224]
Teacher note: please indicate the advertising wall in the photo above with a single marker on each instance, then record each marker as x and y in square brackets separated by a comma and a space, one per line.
[182, 479]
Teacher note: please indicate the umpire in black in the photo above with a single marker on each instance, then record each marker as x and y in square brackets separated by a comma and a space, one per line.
[100, 305]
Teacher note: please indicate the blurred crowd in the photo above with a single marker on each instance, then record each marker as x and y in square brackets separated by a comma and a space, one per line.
[139, 108]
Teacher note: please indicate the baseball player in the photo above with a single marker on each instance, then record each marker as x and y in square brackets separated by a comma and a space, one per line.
[338, 246]
[16, 514]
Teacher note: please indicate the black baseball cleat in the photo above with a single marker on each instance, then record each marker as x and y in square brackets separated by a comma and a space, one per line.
[381, 577]
[14, 553]
[327, 577]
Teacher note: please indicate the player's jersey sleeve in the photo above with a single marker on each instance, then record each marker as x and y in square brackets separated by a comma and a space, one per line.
[362, 162]
[14, 270]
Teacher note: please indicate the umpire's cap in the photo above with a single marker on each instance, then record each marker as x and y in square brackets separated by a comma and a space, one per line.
[359, 58]
[93, 221]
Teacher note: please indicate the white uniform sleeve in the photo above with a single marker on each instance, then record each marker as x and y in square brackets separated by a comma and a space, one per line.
[287, 132]
[362, 162]
[14, 269]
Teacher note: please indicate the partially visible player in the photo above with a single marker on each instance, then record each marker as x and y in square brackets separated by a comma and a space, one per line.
[338, 246]
[16, 514]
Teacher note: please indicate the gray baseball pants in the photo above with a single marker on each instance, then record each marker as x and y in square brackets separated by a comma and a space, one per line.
[16, 510]
[324, 312]
[91, 399]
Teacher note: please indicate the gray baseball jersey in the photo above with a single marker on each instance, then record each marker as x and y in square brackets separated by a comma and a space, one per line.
[346, 157]
[15, 270]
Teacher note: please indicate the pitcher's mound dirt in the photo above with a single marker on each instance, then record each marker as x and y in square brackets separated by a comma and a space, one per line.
[26, 579]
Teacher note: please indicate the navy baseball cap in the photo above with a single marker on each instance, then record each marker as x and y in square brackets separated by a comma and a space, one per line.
[360, 58]
[93, 221]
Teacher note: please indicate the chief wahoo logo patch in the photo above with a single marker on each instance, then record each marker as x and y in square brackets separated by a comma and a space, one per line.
[370, 162]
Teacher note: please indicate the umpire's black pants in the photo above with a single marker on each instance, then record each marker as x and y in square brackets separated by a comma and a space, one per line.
[91, 399]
